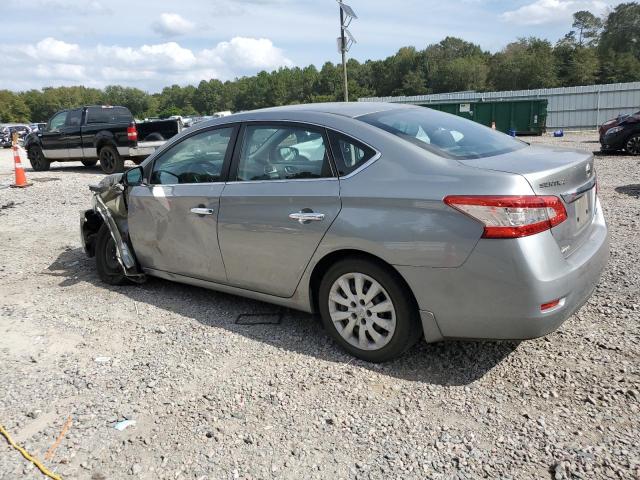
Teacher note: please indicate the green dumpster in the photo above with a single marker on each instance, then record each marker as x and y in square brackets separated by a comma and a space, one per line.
[525, 117]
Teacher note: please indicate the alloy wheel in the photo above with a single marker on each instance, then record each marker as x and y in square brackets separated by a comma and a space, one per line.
[362, 311]
[633, 145]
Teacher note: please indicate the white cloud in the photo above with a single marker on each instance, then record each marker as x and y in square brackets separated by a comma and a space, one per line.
[172, 24]
[247, 53]
[542, 12]
[55, 62]
[50, 49]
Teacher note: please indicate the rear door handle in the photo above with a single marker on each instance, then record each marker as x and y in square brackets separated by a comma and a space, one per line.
[202, 211]
[306, 217]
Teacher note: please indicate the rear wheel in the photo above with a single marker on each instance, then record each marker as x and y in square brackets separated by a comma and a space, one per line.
[368, 310]
[110, 160]
[89, 163]
[37, 160]
[109, 268]
[633, 145]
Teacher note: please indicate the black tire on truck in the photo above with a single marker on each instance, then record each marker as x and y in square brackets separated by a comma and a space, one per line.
[110, 160]
[37, 160]
[153, 137]
[89, 163]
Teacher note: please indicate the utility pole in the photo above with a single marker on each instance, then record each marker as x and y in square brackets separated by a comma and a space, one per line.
[345, 41]
[343, 51]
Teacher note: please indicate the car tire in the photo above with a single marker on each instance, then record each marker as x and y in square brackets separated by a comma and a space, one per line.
[633, 145]
[37, 160]
[89, 163]
[375, 329]
[110, 160]
[109, 269]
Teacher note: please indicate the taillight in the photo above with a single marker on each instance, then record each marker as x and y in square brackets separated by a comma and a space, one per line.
[511, 216]
[132, 132]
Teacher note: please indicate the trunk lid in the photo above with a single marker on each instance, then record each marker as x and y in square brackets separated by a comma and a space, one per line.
[567, 174]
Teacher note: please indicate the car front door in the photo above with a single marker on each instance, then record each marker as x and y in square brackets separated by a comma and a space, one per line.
[53, 140]
[71, 133]
[281, 198]
[173, 217]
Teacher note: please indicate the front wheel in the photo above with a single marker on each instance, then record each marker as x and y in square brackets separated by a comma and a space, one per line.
[109, 269]
[37, 160]
[633, 145]
[368, 310]
[110, 160]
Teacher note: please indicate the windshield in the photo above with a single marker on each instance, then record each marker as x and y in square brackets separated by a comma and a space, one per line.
[444, 134]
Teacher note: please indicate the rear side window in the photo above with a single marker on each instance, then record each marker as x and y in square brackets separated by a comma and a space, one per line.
[349, 154]
[108, 115]
[444, 134]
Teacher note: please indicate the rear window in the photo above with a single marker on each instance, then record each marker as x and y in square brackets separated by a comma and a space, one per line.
[444, 134]
[108, 115]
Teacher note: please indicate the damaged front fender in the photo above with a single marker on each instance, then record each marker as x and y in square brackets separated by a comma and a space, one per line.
[110, 209]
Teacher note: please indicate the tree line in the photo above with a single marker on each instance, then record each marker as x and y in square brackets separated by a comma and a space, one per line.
[595, 50]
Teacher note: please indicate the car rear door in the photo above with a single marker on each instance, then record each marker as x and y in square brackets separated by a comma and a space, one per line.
[173, 217]
[54, 143]
[282, 197]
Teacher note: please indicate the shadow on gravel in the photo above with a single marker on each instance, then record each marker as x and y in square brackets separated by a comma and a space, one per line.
[631, 190]
[445, 363]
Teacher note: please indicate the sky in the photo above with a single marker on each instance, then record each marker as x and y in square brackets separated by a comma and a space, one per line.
[150, 45]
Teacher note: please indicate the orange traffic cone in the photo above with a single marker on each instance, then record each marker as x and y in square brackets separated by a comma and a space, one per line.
[493, 125]
[21, 178]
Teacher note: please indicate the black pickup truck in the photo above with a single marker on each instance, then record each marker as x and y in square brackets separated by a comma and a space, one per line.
[97, 132]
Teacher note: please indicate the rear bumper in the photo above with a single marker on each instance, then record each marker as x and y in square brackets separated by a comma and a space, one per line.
[143, 149]
[497, 293]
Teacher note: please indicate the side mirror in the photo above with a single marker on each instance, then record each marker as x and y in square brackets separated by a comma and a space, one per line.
[133, 177]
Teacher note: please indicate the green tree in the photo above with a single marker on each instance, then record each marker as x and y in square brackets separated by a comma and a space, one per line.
[621, 32]
[588, 27]
[525, 64]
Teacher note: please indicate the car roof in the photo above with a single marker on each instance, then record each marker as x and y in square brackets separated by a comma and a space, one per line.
[347, 109]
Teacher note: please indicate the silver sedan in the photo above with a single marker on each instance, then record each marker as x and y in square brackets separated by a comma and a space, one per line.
[392, 222]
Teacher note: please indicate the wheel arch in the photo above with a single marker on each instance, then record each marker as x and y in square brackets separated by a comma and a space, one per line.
[103, 141]
[325, 263]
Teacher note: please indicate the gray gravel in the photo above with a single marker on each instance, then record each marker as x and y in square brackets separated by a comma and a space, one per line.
[216, 400]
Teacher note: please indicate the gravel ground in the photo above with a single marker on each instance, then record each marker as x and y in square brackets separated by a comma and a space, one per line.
[217, 400]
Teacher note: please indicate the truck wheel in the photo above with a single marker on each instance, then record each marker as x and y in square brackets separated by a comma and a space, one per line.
[110, 160]
[37, 160]
[89, 163]
[633, 145]
[109, 269]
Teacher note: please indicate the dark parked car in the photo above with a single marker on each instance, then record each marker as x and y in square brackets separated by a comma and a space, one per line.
[7, 132]
[97, 132]
[622, 133]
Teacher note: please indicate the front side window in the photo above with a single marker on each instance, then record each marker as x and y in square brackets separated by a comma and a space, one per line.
[57, 121]
[447, 135]
[283, 153]
[197, 159]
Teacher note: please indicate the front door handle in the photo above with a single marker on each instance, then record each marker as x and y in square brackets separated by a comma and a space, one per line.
[202, 211]
[304, 217]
